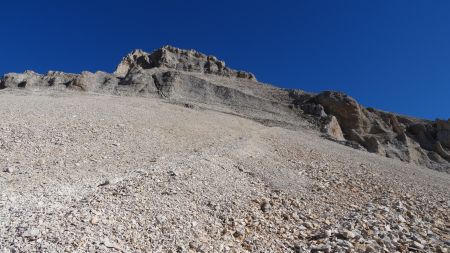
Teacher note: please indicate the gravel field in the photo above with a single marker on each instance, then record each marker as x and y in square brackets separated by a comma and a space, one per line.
[84, 172]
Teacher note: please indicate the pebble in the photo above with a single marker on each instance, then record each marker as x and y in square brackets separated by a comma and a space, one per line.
[440, 249]
[321, 248]
[239, 232]
[348, 234]
[418, 245]
[31, 233]
[9, 169]
[41, 162]
[265, 206]
[369, 249]
[161, 218]
[297, 248]
[94, 220]
[308, 225]
[104, 183]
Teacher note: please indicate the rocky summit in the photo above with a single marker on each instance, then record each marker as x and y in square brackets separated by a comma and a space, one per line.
[176, 152]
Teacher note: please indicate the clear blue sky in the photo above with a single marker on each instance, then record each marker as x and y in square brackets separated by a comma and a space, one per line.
[389, 54]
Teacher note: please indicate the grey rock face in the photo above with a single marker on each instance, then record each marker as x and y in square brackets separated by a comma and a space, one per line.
[28, 78]
[442, 152]
[333, 129]
[443, 132]
[314, 109]
[85, 81]
[349, 113]
[179, 59]
[411, 140]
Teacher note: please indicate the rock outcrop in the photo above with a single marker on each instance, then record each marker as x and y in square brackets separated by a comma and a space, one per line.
[332, 128]
[345, 108]
[412, 140]
[179, 59]
[187, 76]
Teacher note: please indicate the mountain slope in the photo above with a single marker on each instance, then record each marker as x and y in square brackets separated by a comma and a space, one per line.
[89, 172]
[187, 76]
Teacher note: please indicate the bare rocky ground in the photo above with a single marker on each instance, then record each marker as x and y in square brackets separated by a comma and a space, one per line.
[188, 76]
[84, 172]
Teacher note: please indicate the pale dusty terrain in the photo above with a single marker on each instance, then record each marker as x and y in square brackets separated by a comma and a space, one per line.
[84, 172]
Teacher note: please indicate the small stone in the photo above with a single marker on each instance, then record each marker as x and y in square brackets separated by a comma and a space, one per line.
[308, 225]
[94, 220]
[265, 206]
[440, 249]
[369, 249]
[41, 162]
[193, 245]
[239, 232]
[324, 234]
[106, 182]
[348, 234]
[400, 206]
[112, 245]
[9, 169]
[322, 248]
[297, 248]
[31, 233]
[418, 245]
[401, 219]
[161, 218]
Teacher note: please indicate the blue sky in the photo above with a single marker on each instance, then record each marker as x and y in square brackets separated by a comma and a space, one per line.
[391, 55]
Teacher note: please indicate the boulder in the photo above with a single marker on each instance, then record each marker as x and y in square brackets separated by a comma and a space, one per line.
[423, 133]
[55, 78]
[443, 132]
[373, 145]
[88, 81]
[21, 80]
[333, 129]
[314, 109]
[140, 80]
[441, 151]
[137, 58]
[348, 112]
